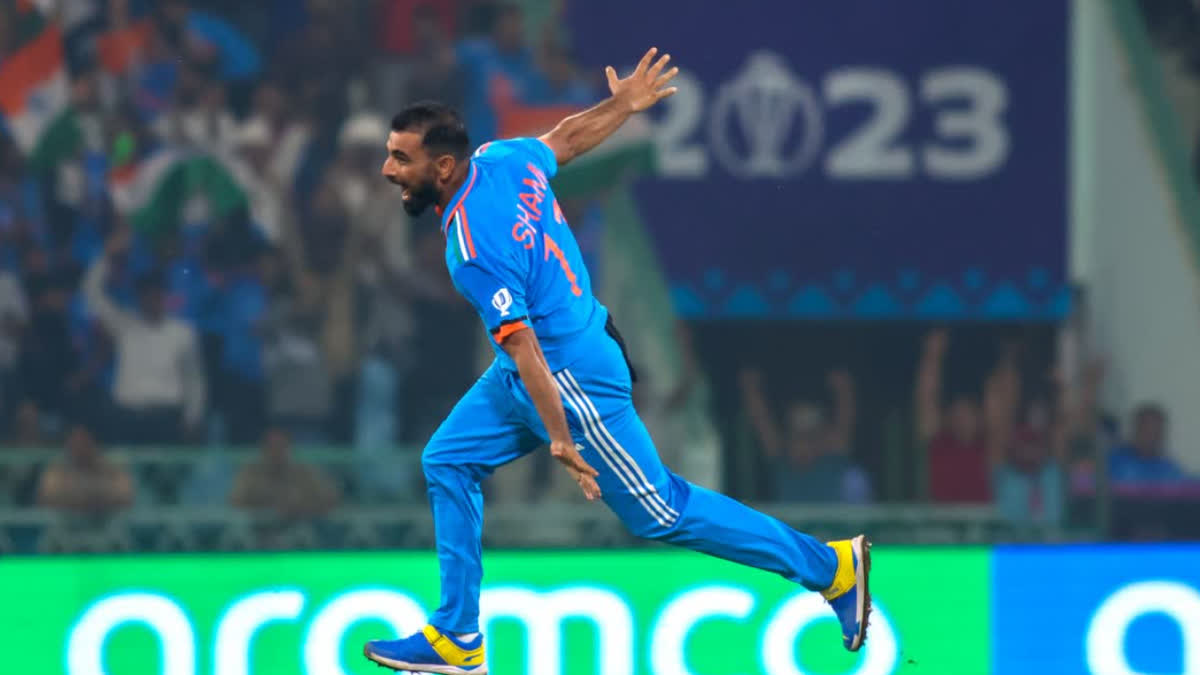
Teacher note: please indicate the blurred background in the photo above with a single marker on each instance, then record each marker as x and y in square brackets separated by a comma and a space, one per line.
[926, 270]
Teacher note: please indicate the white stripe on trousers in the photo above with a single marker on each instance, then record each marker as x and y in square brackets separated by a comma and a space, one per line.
[614, 455]
[636, 471]
[605, 455]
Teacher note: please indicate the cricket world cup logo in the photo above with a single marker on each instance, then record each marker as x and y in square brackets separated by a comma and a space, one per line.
[502, 301]
[766, 122]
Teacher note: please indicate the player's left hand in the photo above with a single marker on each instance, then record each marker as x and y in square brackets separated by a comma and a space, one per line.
[646, 86]
[583, 473]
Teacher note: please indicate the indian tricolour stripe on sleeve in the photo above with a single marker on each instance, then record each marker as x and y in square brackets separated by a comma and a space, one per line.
[464, 254]
[35, 92]
[152, 191]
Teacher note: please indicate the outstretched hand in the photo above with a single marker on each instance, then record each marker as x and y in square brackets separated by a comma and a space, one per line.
[646, 86]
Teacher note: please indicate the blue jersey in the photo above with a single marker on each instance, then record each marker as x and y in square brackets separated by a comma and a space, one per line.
[511, 253]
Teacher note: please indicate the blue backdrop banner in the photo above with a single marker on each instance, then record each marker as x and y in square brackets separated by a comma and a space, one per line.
[1081, 610]
[854, 159]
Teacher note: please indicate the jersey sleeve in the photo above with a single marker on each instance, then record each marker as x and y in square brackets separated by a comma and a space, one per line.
[499, 301]
[522, 150]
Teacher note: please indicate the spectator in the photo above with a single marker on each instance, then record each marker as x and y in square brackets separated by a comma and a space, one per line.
[562, 85]
[18, 482]
[155, 70]
[1143, 460]
[500, 70]
[250, 165]
[383, 268]
[1029, 480]
[964, 441]
[435, 72]
[7, 34]
[49, 363]
[808, 455]
[1054, 438]
[14, 319]
[299, 388]
[84, 480]
[210, 38]
[159, 389]
[288, 132]
[20, 219]
[324, 257]
[276, 482]
[319, 62]
[1087, 437]
[199, 116]
[241, 376]
[446, 340]
[404, 25]
[27, 426]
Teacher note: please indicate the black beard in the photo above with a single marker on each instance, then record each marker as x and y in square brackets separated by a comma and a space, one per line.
[420, 198]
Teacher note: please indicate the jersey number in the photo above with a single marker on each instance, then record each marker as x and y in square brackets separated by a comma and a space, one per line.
[524, 233]
[552, 247]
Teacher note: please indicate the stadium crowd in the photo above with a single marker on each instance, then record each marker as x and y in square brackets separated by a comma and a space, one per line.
[196, 249]
[207, 248]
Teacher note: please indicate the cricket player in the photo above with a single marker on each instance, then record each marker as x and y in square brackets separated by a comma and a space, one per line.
[561, 376]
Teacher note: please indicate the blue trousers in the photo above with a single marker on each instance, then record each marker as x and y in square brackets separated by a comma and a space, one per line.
[496, 422]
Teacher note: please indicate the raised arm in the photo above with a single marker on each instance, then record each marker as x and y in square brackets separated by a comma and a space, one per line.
[112, 316]
[1079, 406]
[754, 401]
[845, 409]
[928, 387]
[1001, 400]
[526, 352]
[583, 131]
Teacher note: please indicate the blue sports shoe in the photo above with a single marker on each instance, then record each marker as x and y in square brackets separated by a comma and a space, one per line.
[848, 594]
[430, 651]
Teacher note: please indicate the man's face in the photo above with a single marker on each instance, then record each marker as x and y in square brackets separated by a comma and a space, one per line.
[175, 11]
[419, 176]
[257, 156]
[509, 32]
[805, 428]
[963, 419]
[269, 101]
[153, 303]
[276, 449]
[426, 28]
[359, 157]
[82, 447]
[1149, 429]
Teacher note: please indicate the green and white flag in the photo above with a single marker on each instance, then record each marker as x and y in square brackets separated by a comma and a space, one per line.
[151, 192]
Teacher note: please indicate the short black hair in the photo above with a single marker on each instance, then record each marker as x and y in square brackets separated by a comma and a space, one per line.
[153, 280]
[1150, 409]
[442, 129]
[506, 9]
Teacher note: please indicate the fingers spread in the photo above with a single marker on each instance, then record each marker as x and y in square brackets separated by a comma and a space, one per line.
[666, 77]
[662, 63]
[645, 62]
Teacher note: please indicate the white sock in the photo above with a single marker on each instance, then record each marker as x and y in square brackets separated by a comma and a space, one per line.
[466, 637]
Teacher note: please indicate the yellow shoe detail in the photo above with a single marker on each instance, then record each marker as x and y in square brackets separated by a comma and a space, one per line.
[450, 652]
[844, 578]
